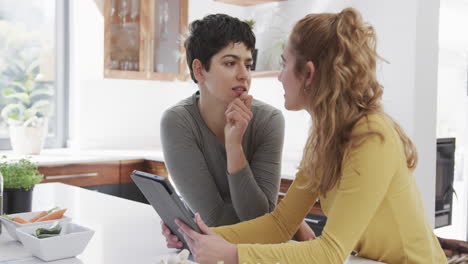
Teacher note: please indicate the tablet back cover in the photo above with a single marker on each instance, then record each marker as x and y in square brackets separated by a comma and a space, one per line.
[162, 196]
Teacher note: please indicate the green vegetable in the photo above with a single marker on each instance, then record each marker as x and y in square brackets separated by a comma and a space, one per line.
[46, 235]
[7, 217]
[48, 232]
[19, 174]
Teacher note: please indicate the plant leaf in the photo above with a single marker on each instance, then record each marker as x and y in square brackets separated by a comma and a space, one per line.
[47, 91]
[40, 107]
[40, 103]
[13, 111]
[19, 84]
[20, 174]
[8, 91]
[23, 97]
[29, 85]
[33, 68]
[30, 112]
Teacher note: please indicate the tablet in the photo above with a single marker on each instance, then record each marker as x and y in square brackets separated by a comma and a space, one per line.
[167, 203]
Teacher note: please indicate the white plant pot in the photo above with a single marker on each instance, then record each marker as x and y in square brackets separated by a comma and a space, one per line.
[28, 140]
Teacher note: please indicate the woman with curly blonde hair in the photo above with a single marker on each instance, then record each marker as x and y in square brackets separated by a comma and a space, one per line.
[357, 160]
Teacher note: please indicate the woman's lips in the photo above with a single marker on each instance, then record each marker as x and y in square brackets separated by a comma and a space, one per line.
[239, 90]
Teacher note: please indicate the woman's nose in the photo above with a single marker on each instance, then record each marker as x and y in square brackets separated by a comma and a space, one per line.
[243, 73]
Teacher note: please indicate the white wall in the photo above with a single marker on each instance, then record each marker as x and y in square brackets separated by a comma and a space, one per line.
[425, 99]
[452, 106]
[125, 114]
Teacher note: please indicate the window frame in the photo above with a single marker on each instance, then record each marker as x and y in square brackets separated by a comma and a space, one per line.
[62, 79]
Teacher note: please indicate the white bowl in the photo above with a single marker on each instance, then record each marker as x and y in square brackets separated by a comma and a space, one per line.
[171, 258]
[71, 241]
[11, 226]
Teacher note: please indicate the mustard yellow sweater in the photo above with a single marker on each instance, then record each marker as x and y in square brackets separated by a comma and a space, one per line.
[375, 210]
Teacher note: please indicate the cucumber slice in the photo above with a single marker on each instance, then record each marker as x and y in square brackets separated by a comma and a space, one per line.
[55, 230]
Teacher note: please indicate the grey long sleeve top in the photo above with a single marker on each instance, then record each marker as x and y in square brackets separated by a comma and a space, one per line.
[197, 163]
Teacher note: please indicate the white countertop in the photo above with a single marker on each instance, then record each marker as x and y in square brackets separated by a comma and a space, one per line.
[67, 156]
[72, 156]
[125, 231]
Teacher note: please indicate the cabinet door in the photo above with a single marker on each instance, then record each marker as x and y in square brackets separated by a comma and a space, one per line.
[167, 24]
[142, 39]
[83, 174]
[156, 167]
[127, 167]
[125, 39]
[150, 166]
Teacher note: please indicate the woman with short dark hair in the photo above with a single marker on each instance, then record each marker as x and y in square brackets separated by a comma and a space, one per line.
[222, 147]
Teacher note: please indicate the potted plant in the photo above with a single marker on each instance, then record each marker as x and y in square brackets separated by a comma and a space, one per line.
[19, 178]
[27, 112]
[26, 97]
[251, 24]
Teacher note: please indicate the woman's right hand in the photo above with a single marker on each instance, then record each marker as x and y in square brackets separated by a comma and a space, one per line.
[172, 241]
[238, 115]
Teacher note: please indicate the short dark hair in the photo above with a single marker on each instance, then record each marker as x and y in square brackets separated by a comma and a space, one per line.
[213, 33]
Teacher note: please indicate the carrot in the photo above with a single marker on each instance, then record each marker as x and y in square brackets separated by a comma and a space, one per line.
[42, 214]
[39, 215]
[20, 220]
[53, 216]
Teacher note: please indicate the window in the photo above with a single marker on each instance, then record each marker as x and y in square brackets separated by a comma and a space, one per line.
[35, 33]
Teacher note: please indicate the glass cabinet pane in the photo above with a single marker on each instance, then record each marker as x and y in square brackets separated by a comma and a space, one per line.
[166, 34]
[124, 35]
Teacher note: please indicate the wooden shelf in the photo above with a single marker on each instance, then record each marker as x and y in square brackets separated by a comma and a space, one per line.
[265, 74]
[132, 43]
[248, 2]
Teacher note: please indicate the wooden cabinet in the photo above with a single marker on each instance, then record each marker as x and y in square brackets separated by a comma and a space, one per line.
[118, 172]
[126, 168]
[284, 186]
[156, 167]
[150, 166]
[100, 173]
[142, 39]
[83, 174]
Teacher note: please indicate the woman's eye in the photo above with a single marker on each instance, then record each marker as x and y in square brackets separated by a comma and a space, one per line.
[248, 66]
[230, 63]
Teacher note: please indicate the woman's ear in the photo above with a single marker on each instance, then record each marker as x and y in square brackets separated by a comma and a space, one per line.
[197, 68]
[310, 73]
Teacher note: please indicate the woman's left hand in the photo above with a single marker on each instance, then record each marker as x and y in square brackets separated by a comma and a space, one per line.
[207, 247]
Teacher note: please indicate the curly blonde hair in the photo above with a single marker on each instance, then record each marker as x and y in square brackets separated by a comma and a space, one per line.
[344, 90]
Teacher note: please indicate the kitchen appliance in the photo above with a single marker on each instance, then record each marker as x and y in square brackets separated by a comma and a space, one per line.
[444, 181]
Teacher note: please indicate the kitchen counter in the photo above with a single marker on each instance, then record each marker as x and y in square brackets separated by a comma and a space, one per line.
[67, 156]
[71, 156]
[125, 231]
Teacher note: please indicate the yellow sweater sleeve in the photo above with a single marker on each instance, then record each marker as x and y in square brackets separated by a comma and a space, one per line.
[277, 226]
[367, 171]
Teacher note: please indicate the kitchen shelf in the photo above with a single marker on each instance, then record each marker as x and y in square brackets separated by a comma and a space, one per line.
[248, 2]
[141, 39]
